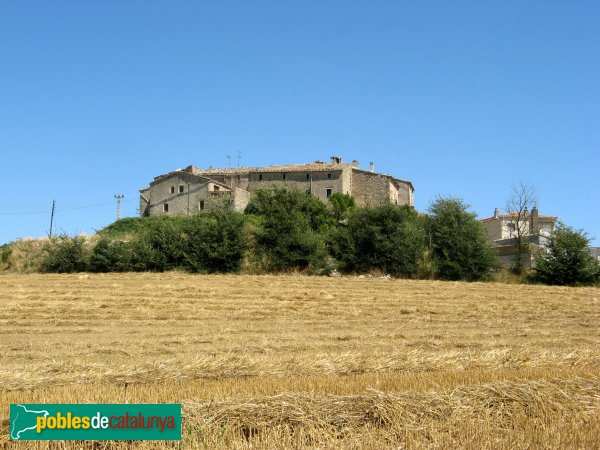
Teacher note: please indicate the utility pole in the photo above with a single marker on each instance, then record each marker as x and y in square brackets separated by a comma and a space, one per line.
[52, 217]
[239, 157]
[119, 197]
[228, 160]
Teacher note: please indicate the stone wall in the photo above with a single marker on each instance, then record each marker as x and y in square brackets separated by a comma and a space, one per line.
[316, 182]
[370, 188]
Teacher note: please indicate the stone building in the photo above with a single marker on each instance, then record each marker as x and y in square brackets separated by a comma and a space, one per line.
[189, 190]
[502, 233]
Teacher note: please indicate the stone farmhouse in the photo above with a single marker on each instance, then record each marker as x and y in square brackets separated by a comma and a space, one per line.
[502, 233]
[190, 190]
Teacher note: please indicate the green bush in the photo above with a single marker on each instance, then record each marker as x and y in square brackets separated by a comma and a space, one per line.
[214, 241]
[111, 256]
[65, 254]
[341, 205]
[291, 235]
[458, 241]
[161, 246]
[386, 238]
[568, 261]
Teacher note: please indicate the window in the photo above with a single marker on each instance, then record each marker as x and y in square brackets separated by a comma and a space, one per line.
[165, 207]
[216, 188]
[285, 176]
[172, 189]
[328, 192]
[201, 205]
[260, 177]
[308, 176]
[328, 175]
[181, 188]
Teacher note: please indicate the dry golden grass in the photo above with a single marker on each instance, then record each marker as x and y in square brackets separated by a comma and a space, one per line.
[294, 361]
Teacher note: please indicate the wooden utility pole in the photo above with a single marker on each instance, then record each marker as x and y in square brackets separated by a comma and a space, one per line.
[52, 217]
[119, 197]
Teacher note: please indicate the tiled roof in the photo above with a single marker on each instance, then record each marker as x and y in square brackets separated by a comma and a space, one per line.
[512, 215]
[311, 167]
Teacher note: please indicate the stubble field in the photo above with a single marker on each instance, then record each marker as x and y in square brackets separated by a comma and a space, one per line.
[293, 361]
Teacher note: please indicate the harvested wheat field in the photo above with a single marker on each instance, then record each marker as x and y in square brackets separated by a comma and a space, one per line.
[294, 361]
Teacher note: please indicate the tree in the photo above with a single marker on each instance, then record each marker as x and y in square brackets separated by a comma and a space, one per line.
[519, 203]
[214, 241]
[458, 241]
[291, 232]
[341, 204]
[568, 261]
[388, 238]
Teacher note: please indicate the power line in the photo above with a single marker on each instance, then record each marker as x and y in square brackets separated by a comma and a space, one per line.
[46, 211]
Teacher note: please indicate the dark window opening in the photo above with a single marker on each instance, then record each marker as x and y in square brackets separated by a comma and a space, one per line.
[328, 192]
[166, 207]
[308, 176]
[216, 188]
[284, 176]
[181, 189]
[260, 177]
[172, 189]
[328, 175]
[201, 205]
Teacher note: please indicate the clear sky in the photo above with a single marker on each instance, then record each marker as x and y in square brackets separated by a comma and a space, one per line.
[462, 98]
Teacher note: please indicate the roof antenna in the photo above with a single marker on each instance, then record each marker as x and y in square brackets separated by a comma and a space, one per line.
[228, 160]
[239, 157]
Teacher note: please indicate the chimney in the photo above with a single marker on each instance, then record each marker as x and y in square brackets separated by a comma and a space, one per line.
[496, 213]
[336, 160]
[371, 167]
[534, 223]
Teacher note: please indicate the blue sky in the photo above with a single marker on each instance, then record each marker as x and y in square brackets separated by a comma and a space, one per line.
[461, 98]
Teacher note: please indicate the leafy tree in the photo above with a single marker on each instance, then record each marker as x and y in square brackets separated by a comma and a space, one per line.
[214, 241]
[458, 241]
[341, 204]
[568, 261]
[290, 235]
[388, 238]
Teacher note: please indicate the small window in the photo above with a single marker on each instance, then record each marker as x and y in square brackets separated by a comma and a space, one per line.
[285, 176]
[172, 189]
[165, 207]
[181, 188]
[216, 188]
[328, 192]
[260, 177]
[328, 175]
[308, 176]
[239, 177]
[201, 205]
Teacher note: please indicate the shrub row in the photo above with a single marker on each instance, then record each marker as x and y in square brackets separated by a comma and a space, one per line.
[285, 230]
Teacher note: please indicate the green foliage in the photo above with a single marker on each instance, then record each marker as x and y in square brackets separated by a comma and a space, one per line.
[341, 204]
[6, 251]
[111, 256]
[160, 246]
[387, 238]
[291, 235]
[568, 261]
[458, 242]
[214, 241]
[65, 254]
